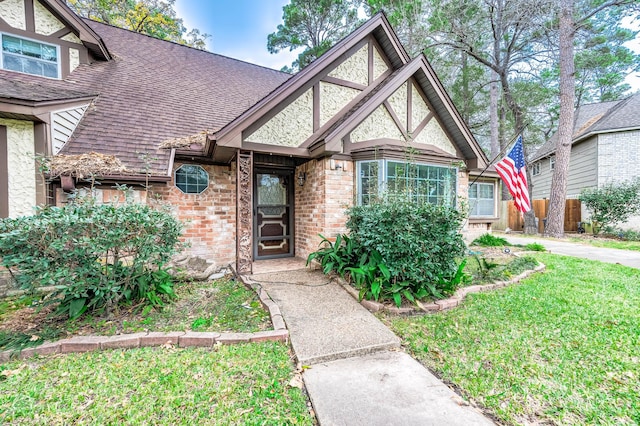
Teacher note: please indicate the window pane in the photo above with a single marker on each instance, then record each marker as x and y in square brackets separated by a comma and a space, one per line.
[12, 63]
[10, 44]
[191, 179]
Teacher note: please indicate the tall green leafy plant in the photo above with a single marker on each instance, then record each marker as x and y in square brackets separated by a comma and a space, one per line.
[96, 256]
[612, 203]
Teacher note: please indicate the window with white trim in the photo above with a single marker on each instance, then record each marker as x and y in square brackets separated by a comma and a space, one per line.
[482, 200]
[535, 169]
[421, 183]
[29, 56]
[191, 179]
[552, 162]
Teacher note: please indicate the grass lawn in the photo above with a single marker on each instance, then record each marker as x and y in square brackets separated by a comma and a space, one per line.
[562, 347]
[222, 305]
[240, 384]
[608, 243]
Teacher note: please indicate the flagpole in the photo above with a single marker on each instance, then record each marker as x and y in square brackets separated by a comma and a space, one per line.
[500, 154]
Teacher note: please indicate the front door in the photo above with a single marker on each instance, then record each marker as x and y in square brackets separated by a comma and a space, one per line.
[273, 214]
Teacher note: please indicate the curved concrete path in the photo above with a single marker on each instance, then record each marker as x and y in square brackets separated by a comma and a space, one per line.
[623, 257]
[354, 370]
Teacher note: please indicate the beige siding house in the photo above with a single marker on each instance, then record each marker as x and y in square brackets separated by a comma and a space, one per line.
[606, 148]
[256, 162]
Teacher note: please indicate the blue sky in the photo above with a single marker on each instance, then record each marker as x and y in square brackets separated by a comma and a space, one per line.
[238, 28]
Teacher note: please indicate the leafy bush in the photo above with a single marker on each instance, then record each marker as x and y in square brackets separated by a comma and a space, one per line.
[96, 256]
[487, 270]
[398, 250]
[336, 256]
[490, 240]
[612, 203]
[535, 247]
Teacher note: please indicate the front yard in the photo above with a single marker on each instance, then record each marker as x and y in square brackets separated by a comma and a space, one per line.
[562, 347]
[240, 384]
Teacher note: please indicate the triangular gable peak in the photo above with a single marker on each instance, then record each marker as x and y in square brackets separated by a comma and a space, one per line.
[411, 108]
[312, 100]
[50, 18]
[363, 93]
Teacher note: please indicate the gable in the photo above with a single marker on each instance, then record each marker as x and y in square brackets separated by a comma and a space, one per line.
[362, 92]
[322, 102]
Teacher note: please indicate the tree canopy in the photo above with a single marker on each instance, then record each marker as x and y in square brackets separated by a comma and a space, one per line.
[156, 18]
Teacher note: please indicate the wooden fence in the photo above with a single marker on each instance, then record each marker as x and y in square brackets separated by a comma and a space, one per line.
[572, 215]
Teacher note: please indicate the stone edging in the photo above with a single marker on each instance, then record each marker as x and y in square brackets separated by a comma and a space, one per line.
[439, 305]
[187, 339]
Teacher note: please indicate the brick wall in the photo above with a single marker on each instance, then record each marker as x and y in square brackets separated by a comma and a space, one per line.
[209, 218]
[320, 204]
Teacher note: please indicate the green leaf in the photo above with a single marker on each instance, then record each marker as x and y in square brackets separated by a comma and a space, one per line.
[77, 307]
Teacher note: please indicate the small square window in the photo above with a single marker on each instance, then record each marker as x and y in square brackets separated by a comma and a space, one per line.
[191, 179]
[552, 162]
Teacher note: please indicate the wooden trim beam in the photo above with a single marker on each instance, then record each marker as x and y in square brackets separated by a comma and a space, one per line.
[422, 125]
[341, 82]
[29, 16]
[316, 107]
[396, 119]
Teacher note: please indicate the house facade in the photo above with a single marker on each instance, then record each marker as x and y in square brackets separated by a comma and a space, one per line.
[254, 161]
[605, 149]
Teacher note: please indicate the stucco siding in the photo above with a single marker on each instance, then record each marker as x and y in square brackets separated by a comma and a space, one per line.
[398, 102]
[291, 126]
[13, 13]
[379, 65]
[21, 161]
[378, 125]
[71, 37]
[74, 59]
[419, 108]
[45, 22]
[355, 68]
[433, 134]
[333, 98]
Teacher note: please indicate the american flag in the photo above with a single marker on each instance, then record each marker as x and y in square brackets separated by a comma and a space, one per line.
[511, 170]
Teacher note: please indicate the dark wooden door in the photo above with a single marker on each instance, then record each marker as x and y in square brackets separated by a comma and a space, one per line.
[273, 214]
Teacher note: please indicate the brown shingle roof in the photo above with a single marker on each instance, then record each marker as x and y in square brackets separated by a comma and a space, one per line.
[596, 118]
[154, 90]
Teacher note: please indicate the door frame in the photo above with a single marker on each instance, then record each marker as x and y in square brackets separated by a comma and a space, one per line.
[282, 171]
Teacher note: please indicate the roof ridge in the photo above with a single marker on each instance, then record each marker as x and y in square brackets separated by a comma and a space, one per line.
[183, 45]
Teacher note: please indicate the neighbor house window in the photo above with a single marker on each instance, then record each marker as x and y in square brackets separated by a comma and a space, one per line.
[535, 169]
[30, 57]
[417, 182]
[552, 162]
[482, 200]
[191, 179]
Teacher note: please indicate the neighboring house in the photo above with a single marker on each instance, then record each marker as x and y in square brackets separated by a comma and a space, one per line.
[605, 149]
[256, 162]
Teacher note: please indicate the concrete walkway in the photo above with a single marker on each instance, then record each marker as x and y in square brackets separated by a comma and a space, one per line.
[623, 257]
[355, 371]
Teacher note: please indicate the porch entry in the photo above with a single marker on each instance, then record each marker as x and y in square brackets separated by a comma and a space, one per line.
[273, 213]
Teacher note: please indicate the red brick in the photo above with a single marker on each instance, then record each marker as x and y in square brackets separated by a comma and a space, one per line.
[276, 335]
[198, 339]
[278, 322]
[80, 344]
[159, 339]
[447, 303]
[233, 338]
[124, 341]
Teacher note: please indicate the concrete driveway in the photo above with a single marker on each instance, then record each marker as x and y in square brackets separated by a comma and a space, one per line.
[609, 255]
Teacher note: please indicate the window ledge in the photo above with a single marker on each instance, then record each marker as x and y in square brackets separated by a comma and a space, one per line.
[480, 219]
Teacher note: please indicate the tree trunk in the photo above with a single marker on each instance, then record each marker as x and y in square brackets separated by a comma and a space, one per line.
[493, 115]
[557, 197]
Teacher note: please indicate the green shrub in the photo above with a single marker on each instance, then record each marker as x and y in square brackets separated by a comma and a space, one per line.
[398, 250]
[535, 247]
[490, 240]
[96, 256]
[612, 203]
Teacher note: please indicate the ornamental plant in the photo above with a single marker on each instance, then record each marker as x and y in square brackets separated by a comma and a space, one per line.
[95, 256]
[612, 203]
[397, 249]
